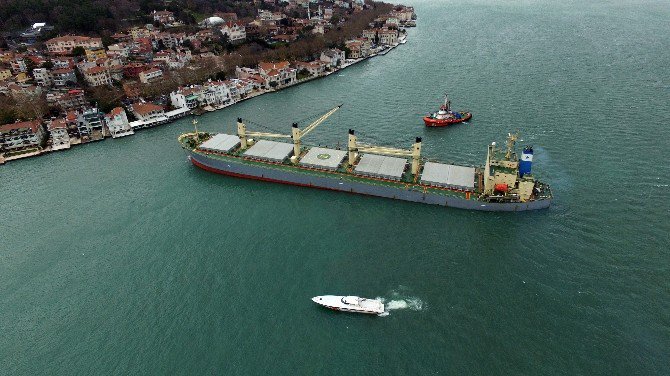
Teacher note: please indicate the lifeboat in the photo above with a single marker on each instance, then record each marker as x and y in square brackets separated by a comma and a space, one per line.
[445, 116]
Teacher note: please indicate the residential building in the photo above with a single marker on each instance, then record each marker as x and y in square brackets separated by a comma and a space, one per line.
[67, 99]
[277, 74]
[216, 93]
[117, 123]
[97, 76]
[60, 139]
[315, 68]
[235, 31]
[65, 44]
[42, 76]
[388, 36]
[186, 97]
[93, 54]
[5, 74]
[118, 50]
[164, 17]
[333, 57]
[90, 124]
[148, 114]
[18, 65]
[150, 75]
[370, 35]
[358, 48]
[23, 135]
[63, 77]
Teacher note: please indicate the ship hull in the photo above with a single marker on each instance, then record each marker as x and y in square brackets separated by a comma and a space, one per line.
[432, 122]
[235, 168]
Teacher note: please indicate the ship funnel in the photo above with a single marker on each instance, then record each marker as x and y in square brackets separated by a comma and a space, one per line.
[526, 161]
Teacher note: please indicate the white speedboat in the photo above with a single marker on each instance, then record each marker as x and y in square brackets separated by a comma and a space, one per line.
[350, 304]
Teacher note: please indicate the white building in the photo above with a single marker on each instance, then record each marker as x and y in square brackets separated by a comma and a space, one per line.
[42, 76]
[332, 57]
[216, 93]
[186, 97]
[117, 123]
[97, 76]
[65, 44]
[60, 139]
[236, 31]
[150, 75]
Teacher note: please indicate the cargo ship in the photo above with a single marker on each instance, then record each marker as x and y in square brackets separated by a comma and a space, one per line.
[445, 116]
[504, 183]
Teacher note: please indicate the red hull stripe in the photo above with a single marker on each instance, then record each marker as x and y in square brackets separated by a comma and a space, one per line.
[228, 173]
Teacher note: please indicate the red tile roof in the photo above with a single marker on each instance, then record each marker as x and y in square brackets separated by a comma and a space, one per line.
[146, 108]
[33, 125]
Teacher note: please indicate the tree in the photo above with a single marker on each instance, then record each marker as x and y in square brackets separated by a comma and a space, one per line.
[78, 51]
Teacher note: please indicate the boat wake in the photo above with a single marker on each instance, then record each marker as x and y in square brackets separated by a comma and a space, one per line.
[401, 303]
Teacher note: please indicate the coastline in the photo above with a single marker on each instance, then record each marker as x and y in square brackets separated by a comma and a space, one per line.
[182, 112]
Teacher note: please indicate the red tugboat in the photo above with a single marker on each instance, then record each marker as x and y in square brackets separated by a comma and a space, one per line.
[445, 116]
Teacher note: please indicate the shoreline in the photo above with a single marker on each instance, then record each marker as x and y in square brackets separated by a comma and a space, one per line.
[138, 124]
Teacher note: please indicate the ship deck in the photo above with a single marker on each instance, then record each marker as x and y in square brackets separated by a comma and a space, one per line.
[343, 171]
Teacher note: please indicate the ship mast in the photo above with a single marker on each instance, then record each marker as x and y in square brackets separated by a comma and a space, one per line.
[195, 125]
[511, 139]
[447, 102]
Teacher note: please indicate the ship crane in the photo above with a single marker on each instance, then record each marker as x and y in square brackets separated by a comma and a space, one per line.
[354, 148]
[296, 133]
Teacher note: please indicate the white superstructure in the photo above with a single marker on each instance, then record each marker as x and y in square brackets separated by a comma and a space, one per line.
[350, 304]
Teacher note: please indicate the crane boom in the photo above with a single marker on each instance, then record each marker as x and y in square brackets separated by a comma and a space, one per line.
[318, 121]
[298, 134]
[271, 135]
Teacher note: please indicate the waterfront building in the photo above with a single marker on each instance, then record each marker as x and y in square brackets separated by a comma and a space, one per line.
[358, 48]
[388, 36]
[21, 136]
[148, 114]
[333, 57]
[370, 35]
[60, 139]
[277, 74]
[216, 93]
[65, 44]
[186, 97]
[90, 123]
[117, 123]
[315, 68]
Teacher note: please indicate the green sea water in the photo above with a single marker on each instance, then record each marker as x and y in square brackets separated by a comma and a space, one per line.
[119, 257]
